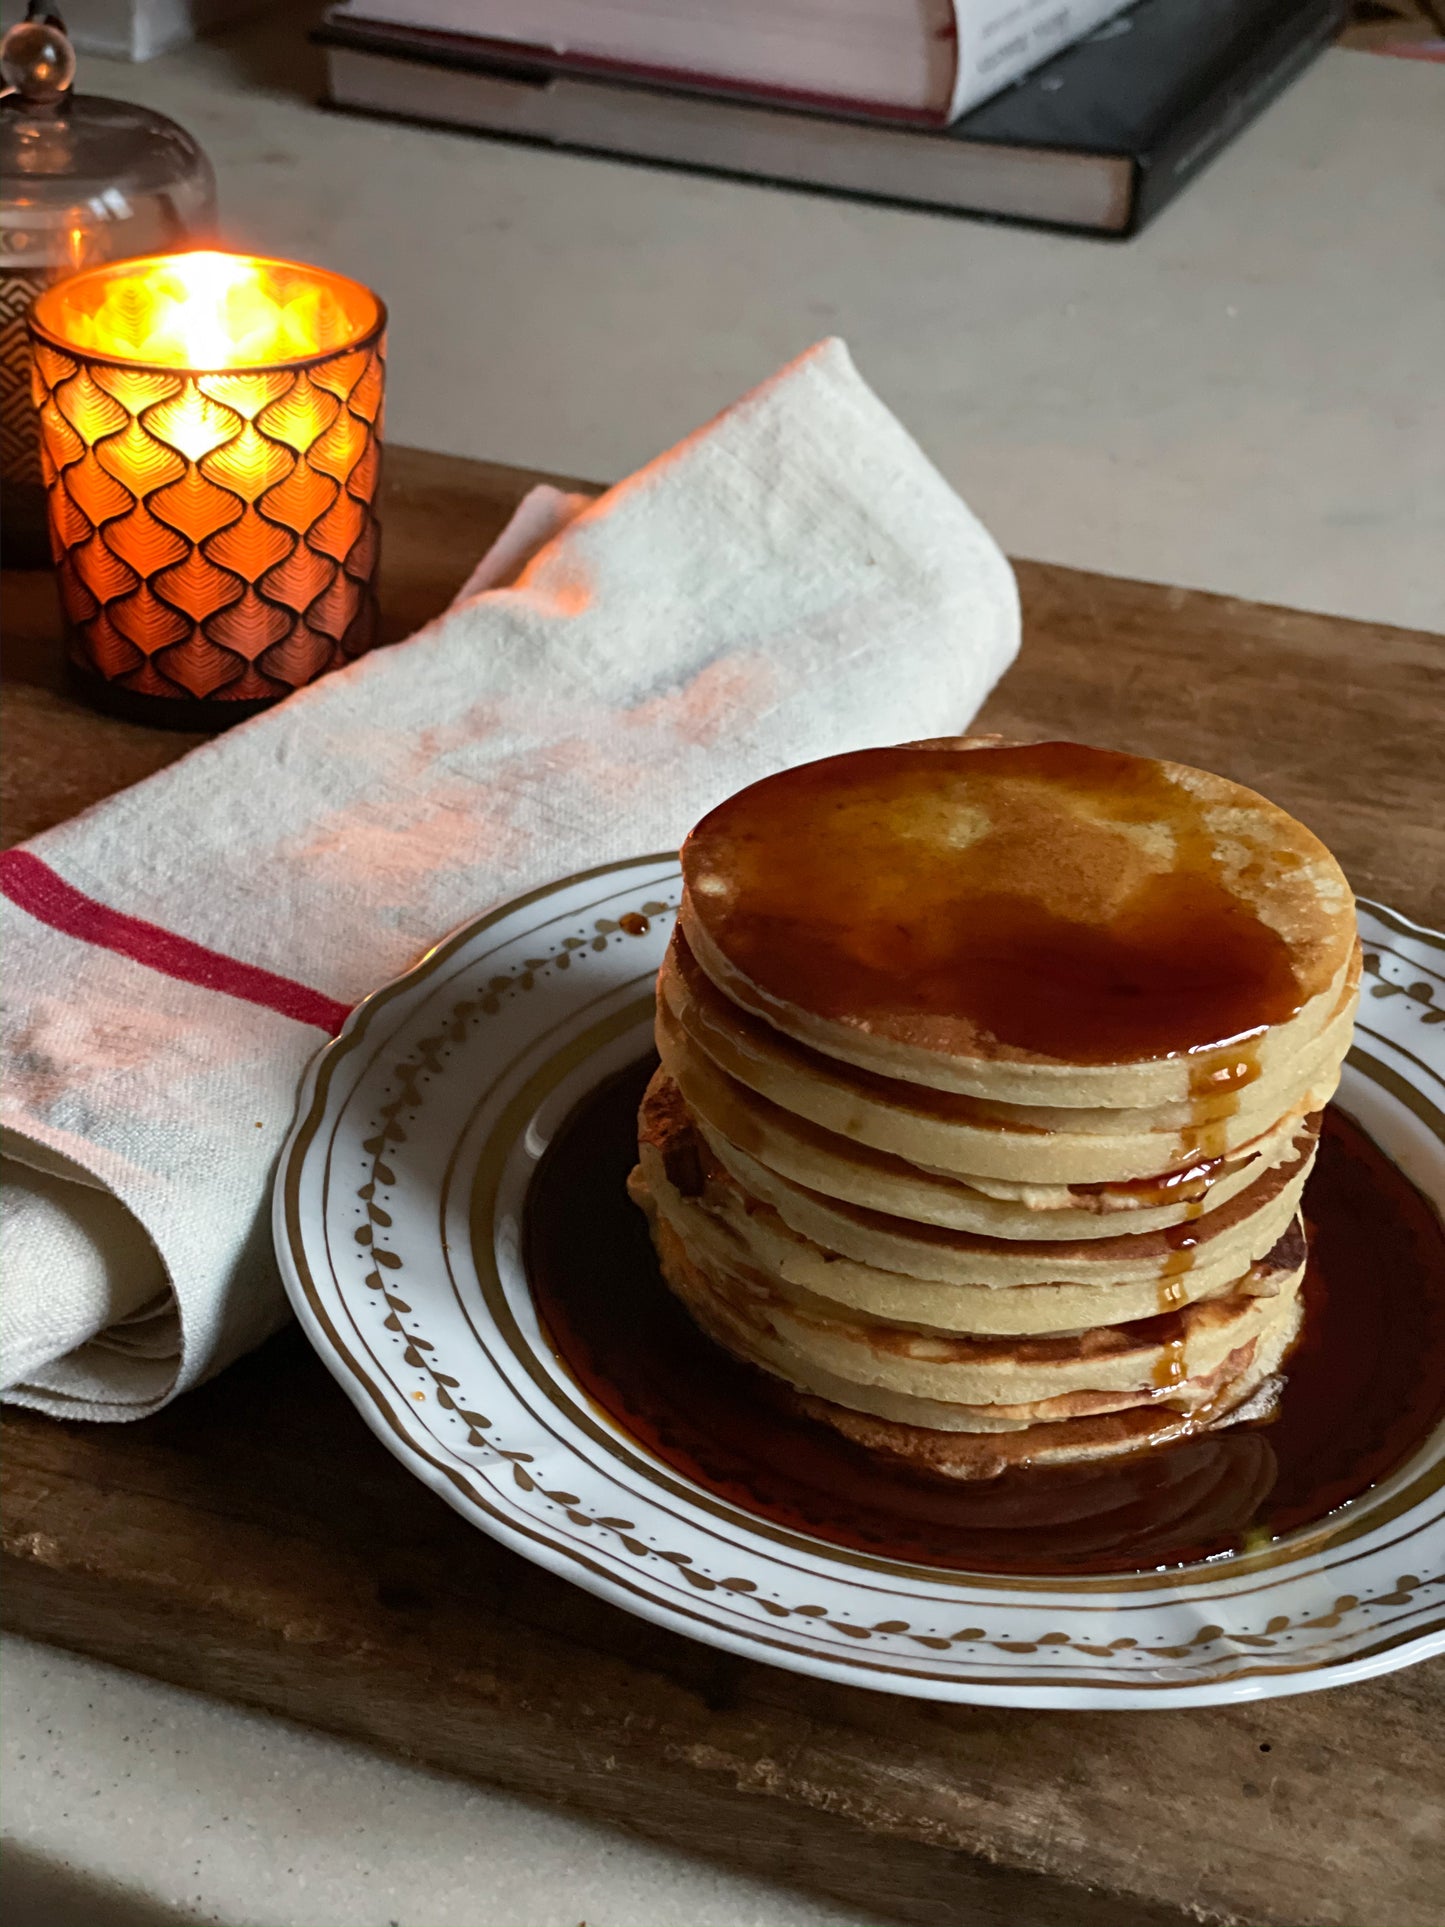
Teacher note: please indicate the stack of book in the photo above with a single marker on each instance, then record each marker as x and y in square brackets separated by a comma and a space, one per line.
[1084, 114]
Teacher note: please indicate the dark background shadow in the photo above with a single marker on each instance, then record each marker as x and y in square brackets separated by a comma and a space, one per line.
[39, 1892]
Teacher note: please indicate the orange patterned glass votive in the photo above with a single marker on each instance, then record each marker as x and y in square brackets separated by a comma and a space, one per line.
[210, 432]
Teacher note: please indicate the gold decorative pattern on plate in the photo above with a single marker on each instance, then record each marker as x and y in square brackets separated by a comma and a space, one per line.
[435, 1340]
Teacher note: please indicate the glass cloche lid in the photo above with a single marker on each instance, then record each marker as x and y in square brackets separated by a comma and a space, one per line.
[83, 178]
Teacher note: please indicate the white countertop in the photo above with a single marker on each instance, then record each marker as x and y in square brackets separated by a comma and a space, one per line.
[133, 1804]
[1245, 399]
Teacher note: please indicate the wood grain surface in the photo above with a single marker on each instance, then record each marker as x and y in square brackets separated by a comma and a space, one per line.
[256, 1542]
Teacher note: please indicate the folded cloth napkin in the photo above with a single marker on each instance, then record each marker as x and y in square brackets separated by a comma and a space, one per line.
[792, 580]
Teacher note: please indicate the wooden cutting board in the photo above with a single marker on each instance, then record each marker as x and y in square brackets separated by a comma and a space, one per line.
[224, 1545]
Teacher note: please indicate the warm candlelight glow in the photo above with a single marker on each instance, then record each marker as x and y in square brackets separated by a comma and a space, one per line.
[209, 311]
[210, 433]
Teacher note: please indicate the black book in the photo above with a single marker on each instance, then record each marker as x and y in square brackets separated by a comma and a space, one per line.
[1097, 140]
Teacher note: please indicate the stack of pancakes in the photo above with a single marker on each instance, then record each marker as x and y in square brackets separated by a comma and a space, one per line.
[991, 1078]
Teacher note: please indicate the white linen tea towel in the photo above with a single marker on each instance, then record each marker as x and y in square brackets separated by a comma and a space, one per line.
[792, 580]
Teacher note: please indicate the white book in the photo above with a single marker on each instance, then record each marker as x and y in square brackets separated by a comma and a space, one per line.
[910, 59]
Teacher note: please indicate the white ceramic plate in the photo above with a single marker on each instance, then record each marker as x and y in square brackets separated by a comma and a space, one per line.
[397, 1217]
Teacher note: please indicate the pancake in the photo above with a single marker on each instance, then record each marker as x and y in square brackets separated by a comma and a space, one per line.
[1250, 1395]
[935, 1130]
[961, 1440]
[986, 1310]
[815, 1342]
[991, 1078]
[826, 1162]
[1272, 1327]
[1044, 924]
[847, 1238]
[991, 1292]
[761, 1242]
[852, 1253]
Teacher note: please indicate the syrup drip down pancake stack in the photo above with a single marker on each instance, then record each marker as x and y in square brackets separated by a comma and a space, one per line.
[991, 1078]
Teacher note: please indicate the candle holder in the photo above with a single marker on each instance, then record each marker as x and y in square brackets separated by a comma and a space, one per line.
[83, 180]
[210, 438]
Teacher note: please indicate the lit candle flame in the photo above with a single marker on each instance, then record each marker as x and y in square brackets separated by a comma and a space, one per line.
[208, 310]
[210, 426]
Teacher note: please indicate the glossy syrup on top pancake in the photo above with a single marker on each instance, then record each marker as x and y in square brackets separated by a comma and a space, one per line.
[1364, 1387]
[1069, 903]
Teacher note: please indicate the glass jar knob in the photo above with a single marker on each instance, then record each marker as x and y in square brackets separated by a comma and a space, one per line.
[37, 60]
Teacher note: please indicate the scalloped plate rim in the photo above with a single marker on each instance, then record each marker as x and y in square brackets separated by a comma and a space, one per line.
[959, 1686]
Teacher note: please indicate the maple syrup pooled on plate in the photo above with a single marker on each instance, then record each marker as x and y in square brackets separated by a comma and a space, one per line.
[1363, 1389]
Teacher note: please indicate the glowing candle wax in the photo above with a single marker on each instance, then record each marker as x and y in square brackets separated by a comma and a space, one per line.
[210, 430]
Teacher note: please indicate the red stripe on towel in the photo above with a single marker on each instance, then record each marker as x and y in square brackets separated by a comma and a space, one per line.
[47, 897]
